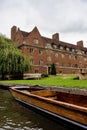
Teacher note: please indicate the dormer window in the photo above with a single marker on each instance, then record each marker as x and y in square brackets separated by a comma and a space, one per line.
[83, 52]
[67, 49]
[35, 41]
[48, 46]
[61, 47]
[54, 45]
[73, 50]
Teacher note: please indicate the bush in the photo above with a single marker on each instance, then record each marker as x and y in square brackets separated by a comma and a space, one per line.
[76, 78]
[44, 75]
[53, 69]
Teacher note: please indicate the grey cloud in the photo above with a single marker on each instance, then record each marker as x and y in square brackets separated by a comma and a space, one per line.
[77, 26]
[64, 16]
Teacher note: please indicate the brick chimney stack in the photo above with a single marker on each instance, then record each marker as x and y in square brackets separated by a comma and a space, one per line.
[13, 32]
[80, 44]
[55, 36]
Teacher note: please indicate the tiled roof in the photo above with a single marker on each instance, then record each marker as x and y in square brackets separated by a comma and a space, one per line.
[49, 40]
[58, 43]
[25, 34]
[61, 43]
[54, 41]
[69, 45]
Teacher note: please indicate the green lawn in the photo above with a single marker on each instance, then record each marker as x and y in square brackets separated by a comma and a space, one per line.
[62, 80]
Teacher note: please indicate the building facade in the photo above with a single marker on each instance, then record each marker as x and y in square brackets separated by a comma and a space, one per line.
[43, 52]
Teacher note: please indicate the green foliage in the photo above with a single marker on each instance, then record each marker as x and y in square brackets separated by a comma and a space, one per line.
[12, 61]
[44, 75]
[53, 69]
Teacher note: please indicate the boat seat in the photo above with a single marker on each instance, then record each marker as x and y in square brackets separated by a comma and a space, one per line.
[26, 91]
[53, 97]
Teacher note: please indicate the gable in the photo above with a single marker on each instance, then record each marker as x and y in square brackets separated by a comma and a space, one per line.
[34, 38]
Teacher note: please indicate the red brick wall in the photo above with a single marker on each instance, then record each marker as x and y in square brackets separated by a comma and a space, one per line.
[66, 64]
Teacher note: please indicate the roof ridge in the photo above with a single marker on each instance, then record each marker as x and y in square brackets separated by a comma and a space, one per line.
[24, 33]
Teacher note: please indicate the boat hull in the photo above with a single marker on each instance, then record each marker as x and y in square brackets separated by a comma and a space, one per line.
[60, 111]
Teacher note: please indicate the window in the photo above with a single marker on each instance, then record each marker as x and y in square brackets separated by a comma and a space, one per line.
[76, 66]
[83, 52]
[24, 42]
[80, 62]
[56, 63]
[69, 65]
[54, 45]
[48, 58]
[67, 49]
[75, 57]
[63, 64]
[56, 54]
[61, 47]
[84, 66]
[40, 52]
[41, 62]
[69, 56]
[35, 41]
[63, 55]
[31, 61]
[48, 46]
[36, 71]
[85, 59]
[60, 72]
[31, 50]
[73, 50]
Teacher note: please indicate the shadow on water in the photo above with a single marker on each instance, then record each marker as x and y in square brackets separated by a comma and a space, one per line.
[14, 116]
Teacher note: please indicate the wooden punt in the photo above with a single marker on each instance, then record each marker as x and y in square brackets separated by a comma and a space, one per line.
[71, 108]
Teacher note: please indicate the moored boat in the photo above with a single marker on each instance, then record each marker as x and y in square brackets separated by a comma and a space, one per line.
[71, 108]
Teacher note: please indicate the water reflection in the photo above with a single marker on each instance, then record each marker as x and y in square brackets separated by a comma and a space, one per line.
[14, 116]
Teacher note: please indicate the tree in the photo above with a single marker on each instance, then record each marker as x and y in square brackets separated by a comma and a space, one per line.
[53, 69]
[12, 61]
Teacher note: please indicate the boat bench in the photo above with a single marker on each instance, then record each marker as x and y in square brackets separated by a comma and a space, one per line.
[46, 93]
[52, 97]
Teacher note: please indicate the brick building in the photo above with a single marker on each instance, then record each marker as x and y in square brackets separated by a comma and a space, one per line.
[43, 51]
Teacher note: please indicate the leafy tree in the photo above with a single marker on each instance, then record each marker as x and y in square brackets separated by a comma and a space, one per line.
[53, 69]
[12, 61]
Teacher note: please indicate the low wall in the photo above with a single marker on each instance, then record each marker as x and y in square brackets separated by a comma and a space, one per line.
[83, 76]
[32, 76]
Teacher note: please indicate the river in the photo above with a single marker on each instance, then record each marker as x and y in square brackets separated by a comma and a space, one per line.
[14, 116]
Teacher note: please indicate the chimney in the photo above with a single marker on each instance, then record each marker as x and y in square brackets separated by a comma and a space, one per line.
[80, 44]
[55, 36]
[13, 32]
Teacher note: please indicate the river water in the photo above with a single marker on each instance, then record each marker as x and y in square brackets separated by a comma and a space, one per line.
[14, 116]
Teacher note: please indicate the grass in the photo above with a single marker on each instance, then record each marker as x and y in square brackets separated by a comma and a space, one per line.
[61, 80]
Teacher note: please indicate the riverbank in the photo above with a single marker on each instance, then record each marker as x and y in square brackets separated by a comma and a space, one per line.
[69, 81]
[63, 83]
[77, 91]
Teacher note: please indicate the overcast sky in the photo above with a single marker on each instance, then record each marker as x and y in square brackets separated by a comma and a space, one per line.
[67, 17]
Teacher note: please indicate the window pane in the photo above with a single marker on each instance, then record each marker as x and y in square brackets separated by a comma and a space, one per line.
[35, 41]
[48, 58]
